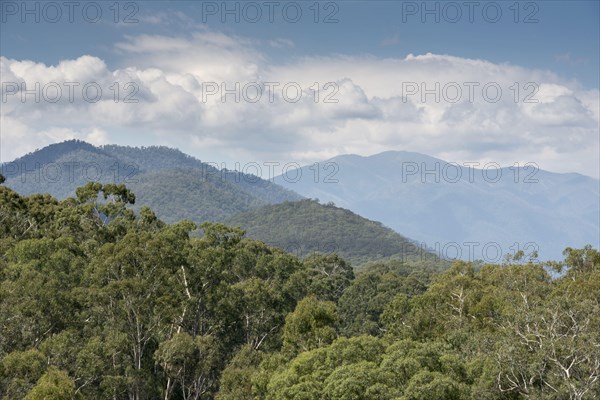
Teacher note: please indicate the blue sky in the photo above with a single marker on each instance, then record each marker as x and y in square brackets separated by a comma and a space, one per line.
[565, 38]
[375, 45]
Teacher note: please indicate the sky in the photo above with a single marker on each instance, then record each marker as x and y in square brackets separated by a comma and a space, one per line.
[238, 83]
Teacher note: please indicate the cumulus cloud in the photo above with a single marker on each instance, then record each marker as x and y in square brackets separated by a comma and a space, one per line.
[219, 96]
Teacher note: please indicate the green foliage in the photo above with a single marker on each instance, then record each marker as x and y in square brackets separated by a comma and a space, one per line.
[326, 276]
[19, 371]
[191, 194]
[312, 325]
[130, 307]
[581, 260]
[187, 363]
[363, 303]
[237, 378]
[427, 385]
[364, 367]
[98, 303]
[53, 385]
[170, 182]
[307, 227]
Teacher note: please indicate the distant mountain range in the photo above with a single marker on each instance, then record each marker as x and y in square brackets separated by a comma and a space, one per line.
[474, 210]
[175, 185]
[456, 211]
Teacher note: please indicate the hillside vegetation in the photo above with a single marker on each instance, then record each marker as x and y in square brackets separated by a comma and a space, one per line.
[98, 303]
[306, 227]
[175, 185]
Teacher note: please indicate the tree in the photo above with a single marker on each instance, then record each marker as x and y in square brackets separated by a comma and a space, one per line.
[552, 351]
[14, 221]
[362, 303]
[116, 199]
[188, 364]
[325, 276]
[134, 290]
[262, 310]
[19, 371]
[312, 325]
[361, 380]
[551, 348]
[332, 371]
[216, 234]
[427, 385]
[53, 385]
[50, 269]
[236, 381]
[581, 260]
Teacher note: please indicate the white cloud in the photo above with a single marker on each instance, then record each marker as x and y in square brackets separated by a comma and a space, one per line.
[97, 137]
[375, 110]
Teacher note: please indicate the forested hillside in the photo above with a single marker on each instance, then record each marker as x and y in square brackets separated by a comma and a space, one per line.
[175, 185]
[98, 303]
[437, 202]
[305, 227]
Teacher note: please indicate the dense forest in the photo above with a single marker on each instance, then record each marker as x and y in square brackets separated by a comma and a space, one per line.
[306, 226]
[98, 302]
[175, 185]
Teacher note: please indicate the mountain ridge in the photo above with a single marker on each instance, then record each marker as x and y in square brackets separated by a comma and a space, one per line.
[58, 169]
[432, 201]
[524, 206]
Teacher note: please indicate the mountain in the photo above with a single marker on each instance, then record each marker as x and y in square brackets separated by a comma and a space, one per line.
[305, 227]
[176, 186]
[460, 210]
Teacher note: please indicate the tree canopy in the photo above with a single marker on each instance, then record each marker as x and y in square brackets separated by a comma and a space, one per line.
[98, 302]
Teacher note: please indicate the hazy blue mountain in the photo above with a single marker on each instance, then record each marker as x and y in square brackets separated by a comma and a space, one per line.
[174, 184]
[451, 206]
[305, 227]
